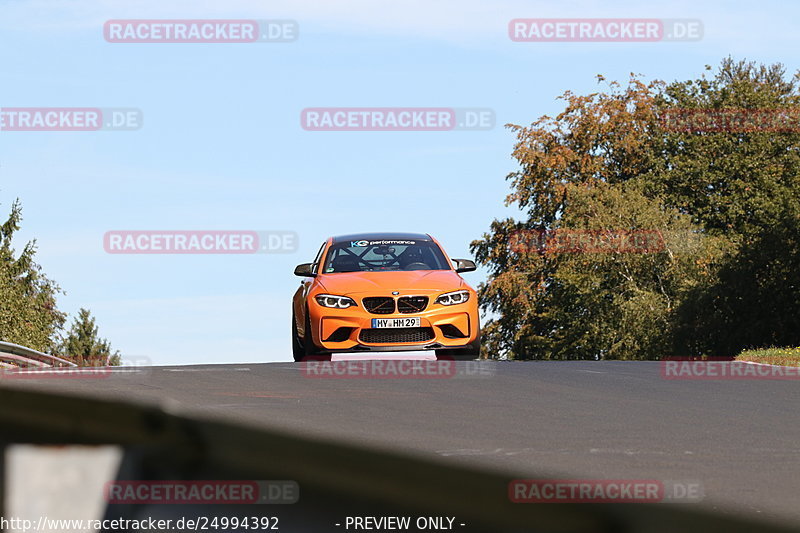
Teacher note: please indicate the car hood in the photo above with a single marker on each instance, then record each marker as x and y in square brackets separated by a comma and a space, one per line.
[430, 281]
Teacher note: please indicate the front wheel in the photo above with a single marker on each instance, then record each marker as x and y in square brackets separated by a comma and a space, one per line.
[306, 350]
[297, 347]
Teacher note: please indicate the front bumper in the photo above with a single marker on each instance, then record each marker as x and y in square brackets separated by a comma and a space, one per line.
[350, 330]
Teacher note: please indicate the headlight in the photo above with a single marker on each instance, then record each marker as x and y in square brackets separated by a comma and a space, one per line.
[338, 302]
[452, 298]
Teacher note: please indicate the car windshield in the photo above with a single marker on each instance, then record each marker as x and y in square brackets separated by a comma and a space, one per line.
[384, 255]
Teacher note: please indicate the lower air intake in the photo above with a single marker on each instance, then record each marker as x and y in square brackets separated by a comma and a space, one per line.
[395, 335]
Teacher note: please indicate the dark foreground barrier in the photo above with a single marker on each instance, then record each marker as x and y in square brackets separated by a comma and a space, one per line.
[328, 486]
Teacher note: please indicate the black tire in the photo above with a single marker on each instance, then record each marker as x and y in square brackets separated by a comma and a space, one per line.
[310, 350]
[297, 347]
[470, 352]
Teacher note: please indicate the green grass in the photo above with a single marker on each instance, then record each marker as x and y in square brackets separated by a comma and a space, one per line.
[772, 356]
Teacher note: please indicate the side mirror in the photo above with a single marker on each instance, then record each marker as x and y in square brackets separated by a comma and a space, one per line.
[464, 265]
[304, 270]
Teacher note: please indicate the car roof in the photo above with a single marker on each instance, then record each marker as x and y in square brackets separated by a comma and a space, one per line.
[382, 237]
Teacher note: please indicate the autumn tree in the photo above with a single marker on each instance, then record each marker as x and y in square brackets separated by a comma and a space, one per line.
[609, 162]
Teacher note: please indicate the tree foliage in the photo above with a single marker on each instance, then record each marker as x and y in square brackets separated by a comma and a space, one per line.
[725, 203]
[83, 345]
[28, 312]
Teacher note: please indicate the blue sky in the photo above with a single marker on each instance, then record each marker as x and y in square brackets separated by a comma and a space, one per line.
[222, 146]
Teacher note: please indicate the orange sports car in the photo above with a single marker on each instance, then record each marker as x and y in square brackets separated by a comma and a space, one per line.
[384, 292]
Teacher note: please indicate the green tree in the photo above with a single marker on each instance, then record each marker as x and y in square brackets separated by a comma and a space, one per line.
[83, 345]
[754, 302]
[744, 184]
[739, 182]
[28, 313]
[578, 303]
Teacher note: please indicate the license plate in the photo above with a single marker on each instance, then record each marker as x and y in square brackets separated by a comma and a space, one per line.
[409, 322]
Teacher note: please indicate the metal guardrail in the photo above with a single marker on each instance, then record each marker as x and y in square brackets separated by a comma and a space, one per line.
[28, 356]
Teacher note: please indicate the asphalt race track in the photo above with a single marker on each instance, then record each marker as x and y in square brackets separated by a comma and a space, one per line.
[620, 420]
